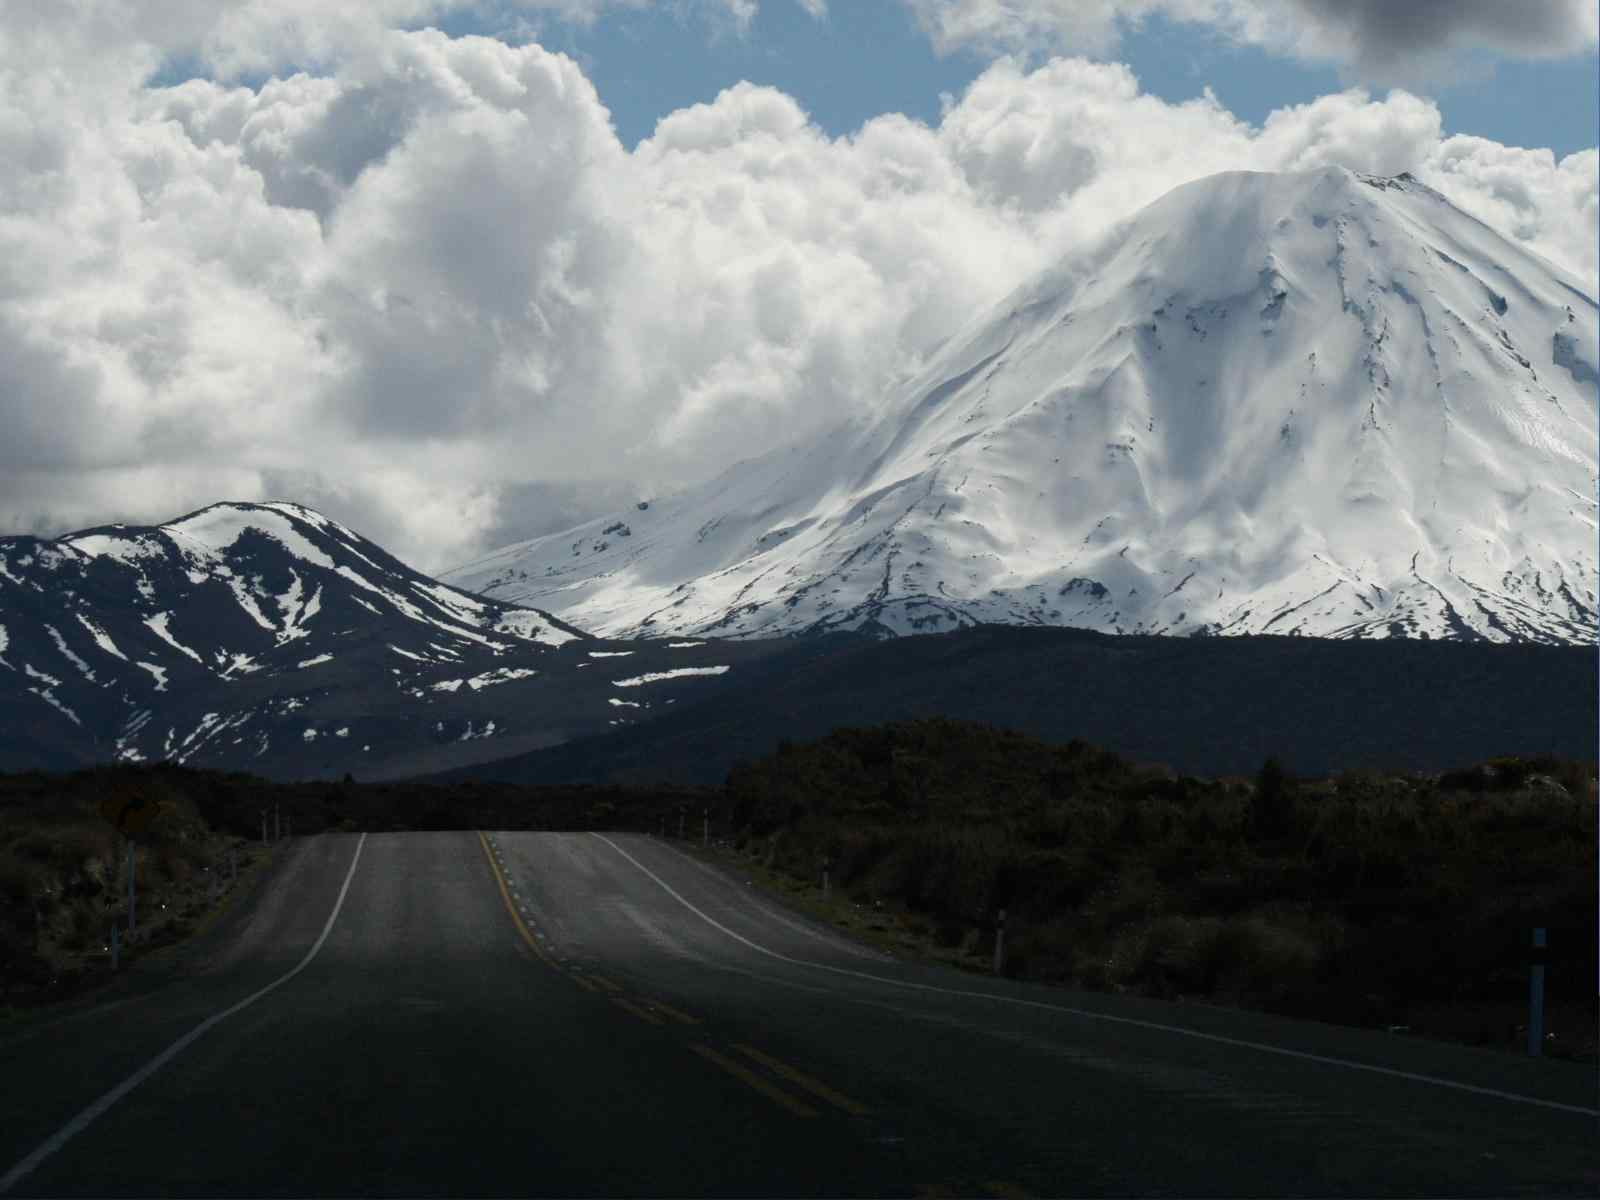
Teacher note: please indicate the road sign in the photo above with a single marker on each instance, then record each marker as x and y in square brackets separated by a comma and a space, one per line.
[130, 814]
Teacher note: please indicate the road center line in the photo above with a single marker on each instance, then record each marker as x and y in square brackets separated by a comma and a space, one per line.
[1079, 1012]
[89, 1115]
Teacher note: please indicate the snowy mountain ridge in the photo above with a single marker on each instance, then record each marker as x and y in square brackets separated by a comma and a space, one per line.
[1320, 403]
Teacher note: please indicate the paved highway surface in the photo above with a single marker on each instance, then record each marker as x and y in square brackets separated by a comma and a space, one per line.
[586, 1014]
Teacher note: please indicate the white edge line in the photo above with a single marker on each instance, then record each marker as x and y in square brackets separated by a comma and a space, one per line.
[1079, 1012]
[89, 1115]
[834, 942]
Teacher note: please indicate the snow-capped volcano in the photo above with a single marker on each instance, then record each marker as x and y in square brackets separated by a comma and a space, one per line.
[1319, 403]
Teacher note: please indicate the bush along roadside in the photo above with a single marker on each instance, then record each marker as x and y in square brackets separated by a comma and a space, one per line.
[1387, 900]
[64, 915]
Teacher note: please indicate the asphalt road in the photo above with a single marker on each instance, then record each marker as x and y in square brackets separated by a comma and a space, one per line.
[583, 1014]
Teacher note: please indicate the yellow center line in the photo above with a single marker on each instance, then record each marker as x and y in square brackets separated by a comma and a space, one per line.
[636, 1010]
[814, 1086]
[582, 982]
[682, 1017]
[605, 983]
[753, 1080]
[500, 881]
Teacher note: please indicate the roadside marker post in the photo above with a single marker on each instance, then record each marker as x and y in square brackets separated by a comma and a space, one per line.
[130, 815]
[263, 827]
[130, 887]
[1000, 943]
[681, 812]
[826, 882]
[1536, 996]
[705, 837]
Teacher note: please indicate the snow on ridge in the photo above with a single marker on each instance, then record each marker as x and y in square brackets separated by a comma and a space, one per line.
[160, 674]
[451, 600]
[247, 601]
[486, 679]
[47, 692]
[158, 626]
[67, 653]
[296, 609]
[609, 653]
[101, 637]
[532, 626]
[311, 662]
[657, 676]
[500, 675]
[244, 664]
[125, 550]
[220, 526]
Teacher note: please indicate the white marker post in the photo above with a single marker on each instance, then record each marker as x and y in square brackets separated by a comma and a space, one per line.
[1000, 943]
[1536, 996]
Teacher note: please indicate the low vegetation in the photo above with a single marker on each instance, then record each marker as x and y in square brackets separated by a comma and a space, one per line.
[1401, 901]
[1393, 900]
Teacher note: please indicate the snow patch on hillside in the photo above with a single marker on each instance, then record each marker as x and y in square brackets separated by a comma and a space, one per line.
[158, 626]
[657, 676]
[101, 637]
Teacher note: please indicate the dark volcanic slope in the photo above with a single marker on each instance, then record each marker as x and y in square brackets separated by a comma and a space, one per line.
[1201, 705]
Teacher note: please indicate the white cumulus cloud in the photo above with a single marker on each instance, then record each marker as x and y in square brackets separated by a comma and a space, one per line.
[424, 287]
[1383, 39]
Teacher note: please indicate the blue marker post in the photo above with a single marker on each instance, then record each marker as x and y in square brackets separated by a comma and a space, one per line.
[1536, 996]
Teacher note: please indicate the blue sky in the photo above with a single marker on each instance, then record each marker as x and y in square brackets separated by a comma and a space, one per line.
[866, 59]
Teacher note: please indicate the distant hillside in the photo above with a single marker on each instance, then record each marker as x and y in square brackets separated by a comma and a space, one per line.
[1212, 706]
[268, 637]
